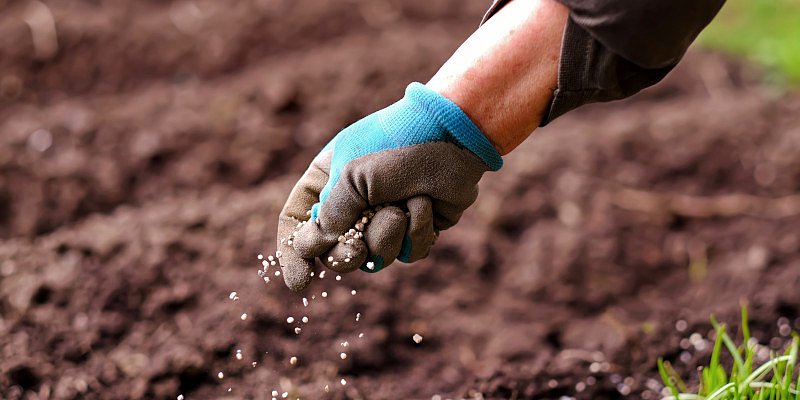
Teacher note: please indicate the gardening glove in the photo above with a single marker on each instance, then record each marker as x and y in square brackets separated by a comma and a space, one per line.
[421, 158]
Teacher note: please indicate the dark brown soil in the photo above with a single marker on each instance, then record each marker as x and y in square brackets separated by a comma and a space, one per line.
[179, 127]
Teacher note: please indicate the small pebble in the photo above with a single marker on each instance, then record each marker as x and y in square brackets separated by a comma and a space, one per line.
[358, 316]
[327, 388]
[239, 355]
[297, 330]
[180, 397]
[289, 320]
[342, 355]
[293, 360]
[353, 292]
[321, 274]
[361, 335]
[284, 395]
[330, 258]
[254, 363]
[343, 381]
[305, 302]
[220, 375]
[417, 338]
[277, 273]
[244, 316]
[260, 256]
[338, 277]
[324, 294]
[233, 296]
[274, 393]
[371, 265]
[271, 258]
[345, 344]
[305, 319]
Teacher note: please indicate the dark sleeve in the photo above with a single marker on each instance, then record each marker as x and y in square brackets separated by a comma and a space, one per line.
[612, 49]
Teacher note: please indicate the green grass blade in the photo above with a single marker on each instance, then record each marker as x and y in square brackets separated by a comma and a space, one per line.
[662, 370]
[721, 391]
[789, 373]
[737, 358]
[761, 372]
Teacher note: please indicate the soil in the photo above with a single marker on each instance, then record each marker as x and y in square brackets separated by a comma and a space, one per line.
[144, 163]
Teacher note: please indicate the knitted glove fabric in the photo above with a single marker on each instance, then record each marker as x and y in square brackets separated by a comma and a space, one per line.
[422, 156]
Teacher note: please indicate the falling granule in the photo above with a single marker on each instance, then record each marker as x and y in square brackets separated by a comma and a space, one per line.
[265, 264]
[239, 355]
[284, 395]
[277, 273]
[289, 320]
[229, 390]
[343, 381]
[305, 302]
[271, 258]
[358, 316]
[180, 397]
[338, 277]
[254, 363]
[297, 330]
[293, 360]
[260, 256]
[324, 294]
[321, 274]
[220, 375]
[327, 388]
[417, 338]
[274, 393]
[342, 355]
[304, 319]
[371, 265]
[345, 343]
[233, 296]
[313, 296]
[361, 335]
[353, 292]
[330, 259]
[244, 316]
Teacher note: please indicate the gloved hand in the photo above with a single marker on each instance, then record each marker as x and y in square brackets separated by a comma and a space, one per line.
[421, 156]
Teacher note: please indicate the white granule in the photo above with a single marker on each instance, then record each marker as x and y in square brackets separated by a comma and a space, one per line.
[417, 338]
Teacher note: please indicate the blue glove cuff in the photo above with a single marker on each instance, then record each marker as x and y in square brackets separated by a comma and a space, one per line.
[464, 131]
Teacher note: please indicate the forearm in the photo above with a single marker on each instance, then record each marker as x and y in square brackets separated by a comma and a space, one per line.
[504, 75]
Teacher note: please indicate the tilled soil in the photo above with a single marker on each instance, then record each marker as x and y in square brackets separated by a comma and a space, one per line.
[145, 161]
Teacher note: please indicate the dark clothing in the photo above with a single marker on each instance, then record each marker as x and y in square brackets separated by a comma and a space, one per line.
[612, 49]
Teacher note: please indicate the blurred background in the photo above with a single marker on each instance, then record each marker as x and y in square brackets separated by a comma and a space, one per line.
[146, 148]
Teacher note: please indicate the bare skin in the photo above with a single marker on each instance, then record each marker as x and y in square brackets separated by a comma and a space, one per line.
[504, 75]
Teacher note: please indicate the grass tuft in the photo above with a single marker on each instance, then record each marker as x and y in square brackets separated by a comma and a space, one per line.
[773, 380]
